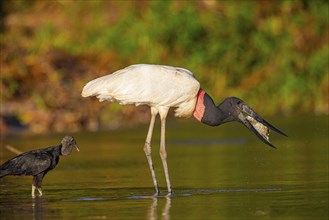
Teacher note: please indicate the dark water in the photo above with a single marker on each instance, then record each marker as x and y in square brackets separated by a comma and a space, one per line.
[216, 173]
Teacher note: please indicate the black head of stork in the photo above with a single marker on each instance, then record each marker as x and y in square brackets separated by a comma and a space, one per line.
[234, 109]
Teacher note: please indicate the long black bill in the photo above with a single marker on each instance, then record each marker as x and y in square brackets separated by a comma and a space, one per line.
[258, 130]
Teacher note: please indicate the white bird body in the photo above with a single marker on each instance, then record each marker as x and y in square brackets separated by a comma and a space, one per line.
[154, 85]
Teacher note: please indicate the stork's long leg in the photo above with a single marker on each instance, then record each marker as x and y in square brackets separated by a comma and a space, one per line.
[163, 153]
[147, 148]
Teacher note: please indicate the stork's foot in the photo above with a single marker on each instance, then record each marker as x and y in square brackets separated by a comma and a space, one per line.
[170, 194]
[157, 193]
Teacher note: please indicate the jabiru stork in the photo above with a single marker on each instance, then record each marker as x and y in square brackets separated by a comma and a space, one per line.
[162, 87]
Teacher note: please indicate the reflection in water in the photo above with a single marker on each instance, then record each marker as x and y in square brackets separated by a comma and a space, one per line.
[152, 212]
[166, 209]
[37, 208]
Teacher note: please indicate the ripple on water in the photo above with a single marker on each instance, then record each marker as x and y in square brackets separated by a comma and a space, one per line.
[182, 193]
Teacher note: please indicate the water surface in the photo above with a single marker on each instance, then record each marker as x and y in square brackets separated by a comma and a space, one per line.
[216, 173]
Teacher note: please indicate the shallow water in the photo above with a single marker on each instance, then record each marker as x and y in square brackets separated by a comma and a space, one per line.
[216, 173]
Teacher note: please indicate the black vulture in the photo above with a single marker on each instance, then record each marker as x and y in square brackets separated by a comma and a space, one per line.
[37, 163]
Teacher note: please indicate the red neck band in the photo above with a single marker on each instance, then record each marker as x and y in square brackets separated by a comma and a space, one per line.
[199, 107]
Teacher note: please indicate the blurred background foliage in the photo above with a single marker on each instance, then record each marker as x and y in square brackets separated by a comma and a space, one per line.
[272, 54]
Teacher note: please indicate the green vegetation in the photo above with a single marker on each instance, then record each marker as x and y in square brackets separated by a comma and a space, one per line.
[272, 54]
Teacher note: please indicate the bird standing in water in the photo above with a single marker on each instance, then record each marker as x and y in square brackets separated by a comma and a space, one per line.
[162, 87]
[38, 163]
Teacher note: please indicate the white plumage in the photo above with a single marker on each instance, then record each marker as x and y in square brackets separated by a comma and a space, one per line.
[160, 87]
[154, 85]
